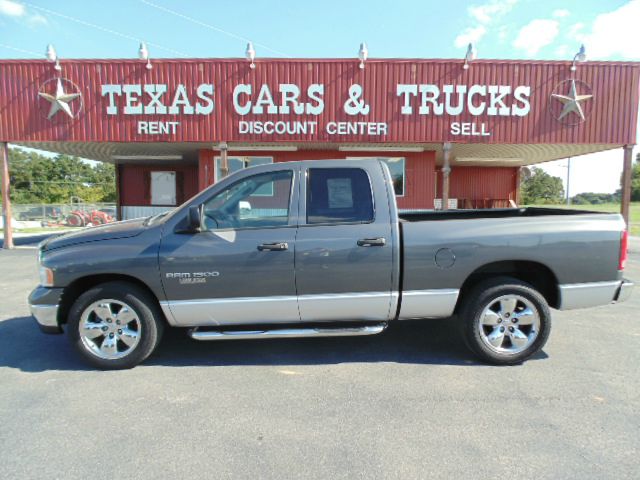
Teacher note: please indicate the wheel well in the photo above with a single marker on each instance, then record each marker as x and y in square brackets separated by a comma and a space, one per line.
[81, 285]
[534, 273]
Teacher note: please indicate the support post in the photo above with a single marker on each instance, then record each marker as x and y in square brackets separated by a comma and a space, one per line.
[626, 183]
[118, 200]
[6, 201]
[224, 162]
[446, 170]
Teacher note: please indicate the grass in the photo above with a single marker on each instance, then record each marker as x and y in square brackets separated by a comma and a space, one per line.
[634, 212]
[37, 230]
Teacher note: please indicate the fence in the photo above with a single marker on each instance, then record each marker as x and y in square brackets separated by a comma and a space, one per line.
[62, 214]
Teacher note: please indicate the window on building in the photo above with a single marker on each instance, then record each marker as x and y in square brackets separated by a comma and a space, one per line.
[238, 163]
[339, 195]
[163, 188]
[396, 166]
[241, 206]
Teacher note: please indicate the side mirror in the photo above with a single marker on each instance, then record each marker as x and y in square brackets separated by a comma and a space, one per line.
[194, 218]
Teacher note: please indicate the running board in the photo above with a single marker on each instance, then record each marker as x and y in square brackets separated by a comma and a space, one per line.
[286, 332]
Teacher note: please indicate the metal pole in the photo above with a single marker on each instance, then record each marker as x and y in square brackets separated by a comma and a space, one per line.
[6, 201]
[568, 179]
[626, 183]
[446, 170]
[224, 162]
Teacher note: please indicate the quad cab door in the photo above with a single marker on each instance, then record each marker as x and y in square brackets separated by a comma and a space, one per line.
[345, 245]
[240, 267]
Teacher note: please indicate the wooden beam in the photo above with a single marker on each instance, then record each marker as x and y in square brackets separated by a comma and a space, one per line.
[626, 183]
[6, 200]
[446, 170]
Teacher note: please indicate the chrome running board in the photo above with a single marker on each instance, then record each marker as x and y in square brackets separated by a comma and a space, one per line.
[227, 334]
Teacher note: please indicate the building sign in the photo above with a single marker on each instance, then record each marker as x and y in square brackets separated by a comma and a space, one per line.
[288, 103]
[330, 101]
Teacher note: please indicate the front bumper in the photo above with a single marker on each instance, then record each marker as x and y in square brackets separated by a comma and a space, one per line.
[44, 304]
[47, 317]
[624, 292]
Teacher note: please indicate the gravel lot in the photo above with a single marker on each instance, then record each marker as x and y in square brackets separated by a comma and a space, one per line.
[410, 403]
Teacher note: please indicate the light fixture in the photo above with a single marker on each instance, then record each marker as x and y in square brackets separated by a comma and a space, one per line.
[143, 54]
[581, 56]
[52, 56]
[260, 148]
[381, 148]
[250, 53]
[363, 54]
[146, 157]
[470, 56]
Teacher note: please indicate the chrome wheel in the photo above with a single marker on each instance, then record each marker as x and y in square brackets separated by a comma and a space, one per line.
[509, 324]
[109, 329]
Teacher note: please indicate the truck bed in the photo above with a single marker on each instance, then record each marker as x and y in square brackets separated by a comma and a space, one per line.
[429, 215]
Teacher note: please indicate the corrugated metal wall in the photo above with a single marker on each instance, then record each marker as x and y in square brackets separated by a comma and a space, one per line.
[481, 185]
[419, 168]
[612, 111]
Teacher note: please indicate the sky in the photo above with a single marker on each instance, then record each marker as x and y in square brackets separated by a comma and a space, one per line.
[536, 29]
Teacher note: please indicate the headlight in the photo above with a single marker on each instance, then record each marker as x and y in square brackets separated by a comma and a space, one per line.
[46, 276]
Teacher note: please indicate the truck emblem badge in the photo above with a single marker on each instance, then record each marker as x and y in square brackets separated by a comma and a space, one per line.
[566, 100]
[61, 99]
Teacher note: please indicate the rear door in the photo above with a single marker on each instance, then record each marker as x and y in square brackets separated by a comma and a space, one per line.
[344, 247]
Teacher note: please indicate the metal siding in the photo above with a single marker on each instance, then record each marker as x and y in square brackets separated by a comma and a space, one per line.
[482, 183]
[612, 119]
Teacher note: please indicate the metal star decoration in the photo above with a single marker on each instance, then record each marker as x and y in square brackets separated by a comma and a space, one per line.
[59, 101]
[571, 102]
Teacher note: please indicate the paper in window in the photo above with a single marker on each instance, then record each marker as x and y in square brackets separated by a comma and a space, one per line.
[340, 193]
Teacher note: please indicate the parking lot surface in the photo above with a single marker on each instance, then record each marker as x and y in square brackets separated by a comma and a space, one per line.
[409, 403]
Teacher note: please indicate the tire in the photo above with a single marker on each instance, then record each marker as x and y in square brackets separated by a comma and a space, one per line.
[75, 220]
[115, 325]
[505, 321]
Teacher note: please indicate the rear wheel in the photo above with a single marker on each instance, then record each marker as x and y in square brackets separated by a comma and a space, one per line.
[115, 325]
[505, 321]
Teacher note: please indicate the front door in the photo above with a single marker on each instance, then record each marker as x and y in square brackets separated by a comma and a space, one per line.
[240, 267]
[344, 248]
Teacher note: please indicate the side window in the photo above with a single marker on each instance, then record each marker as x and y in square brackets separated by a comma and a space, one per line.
[244, 204]
[339, 195]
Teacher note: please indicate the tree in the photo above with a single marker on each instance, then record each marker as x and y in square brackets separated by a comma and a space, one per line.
[540, 187]
[635, 180]
[38, 179]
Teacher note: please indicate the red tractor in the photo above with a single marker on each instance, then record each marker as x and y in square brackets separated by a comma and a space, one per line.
[80, 218]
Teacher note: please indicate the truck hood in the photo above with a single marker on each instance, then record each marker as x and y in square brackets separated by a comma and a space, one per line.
[111, 231]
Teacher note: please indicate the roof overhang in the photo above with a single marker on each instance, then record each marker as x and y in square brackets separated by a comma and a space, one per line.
[463, 154]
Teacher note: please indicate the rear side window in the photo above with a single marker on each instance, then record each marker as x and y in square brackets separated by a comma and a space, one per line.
[339, 195]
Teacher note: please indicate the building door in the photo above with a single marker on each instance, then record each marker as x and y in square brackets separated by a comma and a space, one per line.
[240, 268]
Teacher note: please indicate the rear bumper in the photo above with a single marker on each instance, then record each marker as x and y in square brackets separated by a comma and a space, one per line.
[592, 294]
[624, 292]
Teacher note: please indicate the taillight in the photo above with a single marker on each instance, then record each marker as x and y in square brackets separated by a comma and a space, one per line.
[624, 245]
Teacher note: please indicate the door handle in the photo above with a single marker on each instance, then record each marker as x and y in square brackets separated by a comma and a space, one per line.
[372, 242]
[277, 246]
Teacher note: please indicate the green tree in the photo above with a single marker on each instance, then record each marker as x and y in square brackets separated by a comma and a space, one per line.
[635, 180]
[540, 187]
[38, 179]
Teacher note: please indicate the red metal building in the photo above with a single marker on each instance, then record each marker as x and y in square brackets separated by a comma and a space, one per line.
[446, 131]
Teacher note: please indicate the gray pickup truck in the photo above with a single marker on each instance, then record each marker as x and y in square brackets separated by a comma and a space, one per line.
[317, 248]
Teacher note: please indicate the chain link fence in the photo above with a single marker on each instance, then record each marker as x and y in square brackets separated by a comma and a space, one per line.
[62, 214]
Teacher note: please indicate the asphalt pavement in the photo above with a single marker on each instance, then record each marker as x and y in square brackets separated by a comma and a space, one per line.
[409, 403]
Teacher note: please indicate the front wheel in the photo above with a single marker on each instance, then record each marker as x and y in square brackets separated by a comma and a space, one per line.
[115, 325]
[505, 321]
